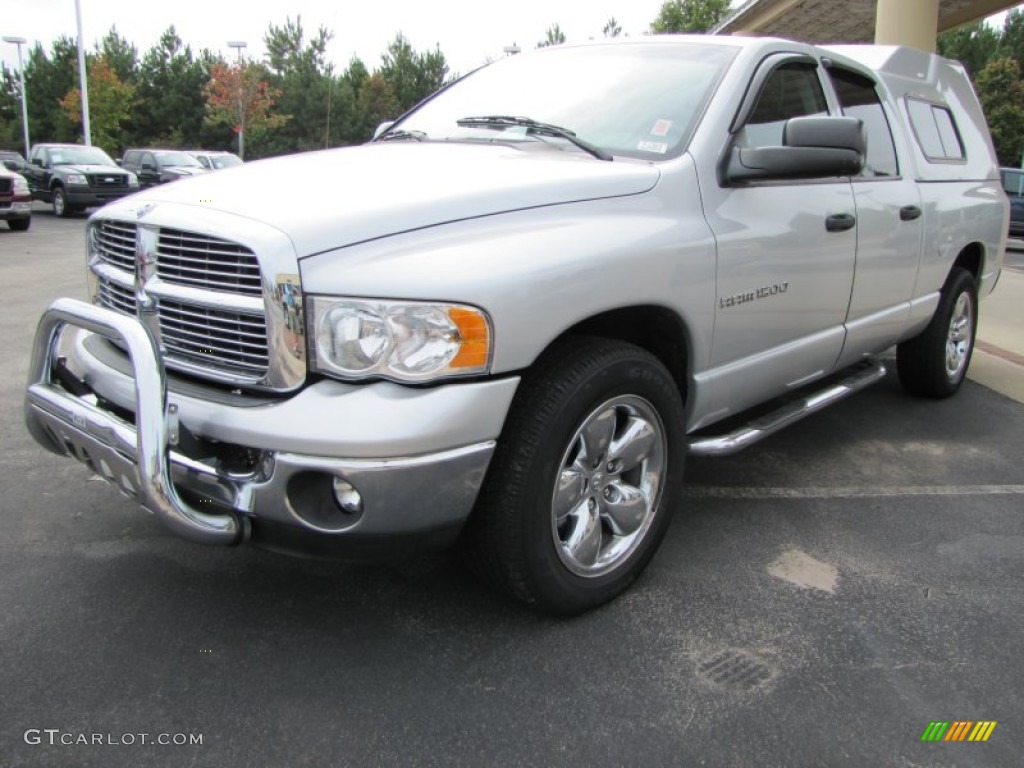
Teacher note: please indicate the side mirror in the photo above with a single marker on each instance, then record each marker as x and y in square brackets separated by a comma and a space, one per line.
[812, 148]
[148, 167]
[383, 127]
[119, 162]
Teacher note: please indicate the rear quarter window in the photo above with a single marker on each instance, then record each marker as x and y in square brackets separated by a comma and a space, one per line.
[935, 131]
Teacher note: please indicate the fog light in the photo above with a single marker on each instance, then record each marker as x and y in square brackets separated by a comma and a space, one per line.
[347, 497]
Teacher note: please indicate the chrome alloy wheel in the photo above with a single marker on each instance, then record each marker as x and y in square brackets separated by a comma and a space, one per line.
[959, 338]
[609, 485]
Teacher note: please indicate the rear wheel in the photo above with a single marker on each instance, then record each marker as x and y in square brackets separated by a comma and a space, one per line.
[934, 364]
[580, 489]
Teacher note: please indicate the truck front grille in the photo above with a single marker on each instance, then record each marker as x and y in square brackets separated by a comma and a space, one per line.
[6, 185]
[205, 332]
[102, 180]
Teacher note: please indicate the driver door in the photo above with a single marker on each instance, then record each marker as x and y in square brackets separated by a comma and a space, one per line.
[786, 253]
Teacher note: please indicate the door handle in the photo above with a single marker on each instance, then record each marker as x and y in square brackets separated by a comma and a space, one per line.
[909, 213]
[840, 222]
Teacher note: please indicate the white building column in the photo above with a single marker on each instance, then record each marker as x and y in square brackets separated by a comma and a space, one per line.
[907, 22]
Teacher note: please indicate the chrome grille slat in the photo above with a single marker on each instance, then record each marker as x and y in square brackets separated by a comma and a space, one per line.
[250, 331]
[180, 330]
[113, 296]
[195, 355]
[224, 357]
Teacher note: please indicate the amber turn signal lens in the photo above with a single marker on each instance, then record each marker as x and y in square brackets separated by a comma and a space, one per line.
[475, 335]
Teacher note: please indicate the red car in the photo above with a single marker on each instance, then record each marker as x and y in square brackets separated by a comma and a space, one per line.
[15, 200]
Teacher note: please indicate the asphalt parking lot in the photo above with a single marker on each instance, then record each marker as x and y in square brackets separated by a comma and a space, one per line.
[820, 599]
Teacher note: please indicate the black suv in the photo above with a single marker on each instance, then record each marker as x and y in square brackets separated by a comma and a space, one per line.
[158, 166]
[73, 177]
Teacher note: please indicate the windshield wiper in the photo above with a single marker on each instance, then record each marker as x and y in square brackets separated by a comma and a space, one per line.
[401, 135]
[533, 127]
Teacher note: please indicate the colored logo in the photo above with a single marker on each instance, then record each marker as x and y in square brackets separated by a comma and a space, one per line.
[958, 730]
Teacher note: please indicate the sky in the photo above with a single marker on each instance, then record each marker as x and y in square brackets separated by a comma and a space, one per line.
[468, 31]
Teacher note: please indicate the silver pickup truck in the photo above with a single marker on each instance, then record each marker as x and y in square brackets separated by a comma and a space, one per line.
[512, 315]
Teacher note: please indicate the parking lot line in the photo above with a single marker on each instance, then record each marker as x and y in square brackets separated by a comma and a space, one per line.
[722, 492]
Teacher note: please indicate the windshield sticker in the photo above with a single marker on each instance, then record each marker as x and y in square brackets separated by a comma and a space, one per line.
[661, 128]
[653, 146]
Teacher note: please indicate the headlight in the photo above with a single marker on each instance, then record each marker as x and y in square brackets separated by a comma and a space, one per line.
[20, 186]
[133, 180]
[362, 338]
[76, 178]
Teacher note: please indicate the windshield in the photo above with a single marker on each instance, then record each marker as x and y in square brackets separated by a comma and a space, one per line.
[177, 159]
[639, 100]
[225, 161]
[80, 156]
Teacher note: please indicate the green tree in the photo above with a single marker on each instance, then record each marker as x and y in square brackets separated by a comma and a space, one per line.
[689, 16]
[122, 56]
[172, 106]
[553, 35]
[1011, 43]
[319, 103]
[10, 110]
[973, 45]
[412, 76]
[110, 104]
[47, 80]
[377, 102]
[612, 28]
[359, 124]
[1001, 93]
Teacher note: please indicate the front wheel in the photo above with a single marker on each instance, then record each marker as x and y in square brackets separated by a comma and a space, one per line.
[934, 364]
[60, 202]
[580, 489]
[19, 225]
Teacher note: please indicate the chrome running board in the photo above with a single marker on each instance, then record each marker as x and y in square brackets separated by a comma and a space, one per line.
[862, 375]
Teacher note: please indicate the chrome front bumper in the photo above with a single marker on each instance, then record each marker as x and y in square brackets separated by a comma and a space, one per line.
[399, 496]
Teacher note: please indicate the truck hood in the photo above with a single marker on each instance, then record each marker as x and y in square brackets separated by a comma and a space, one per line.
[89, 169]
[185, 170]
[334, 198]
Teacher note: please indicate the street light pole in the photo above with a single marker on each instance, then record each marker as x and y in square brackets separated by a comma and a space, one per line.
[238, 45]
[20, 41]
[82, 76]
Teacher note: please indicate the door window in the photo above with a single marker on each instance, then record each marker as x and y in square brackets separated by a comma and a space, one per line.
[792, 90]
[859, 98]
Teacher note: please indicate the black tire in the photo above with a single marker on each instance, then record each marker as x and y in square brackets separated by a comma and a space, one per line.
[514, 533]
[19, 225]
[934, 364]
[60, 203]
